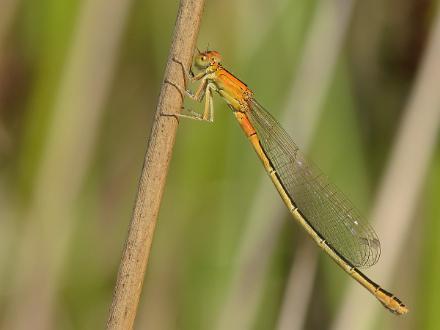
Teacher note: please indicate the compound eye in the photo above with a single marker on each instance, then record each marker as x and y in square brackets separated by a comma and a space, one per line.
[203, 58]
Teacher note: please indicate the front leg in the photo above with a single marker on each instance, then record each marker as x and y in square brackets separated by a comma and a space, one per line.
[197, 96]
[208, 113]
[188, 75]
[203, 90]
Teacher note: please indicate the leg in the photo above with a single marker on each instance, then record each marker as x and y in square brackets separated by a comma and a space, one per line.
[188, 76]
[197, 96]
[204, 89]
[208, 113]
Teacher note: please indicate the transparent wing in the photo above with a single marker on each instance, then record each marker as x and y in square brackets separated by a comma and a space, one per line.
[326, 209]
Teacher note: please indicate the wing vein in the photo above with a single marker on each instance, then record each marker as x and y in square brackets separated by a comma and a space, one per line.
[323, 205]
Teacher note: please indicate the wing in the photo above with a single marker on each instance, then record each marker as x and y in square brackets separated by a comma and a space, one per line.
[323, 206]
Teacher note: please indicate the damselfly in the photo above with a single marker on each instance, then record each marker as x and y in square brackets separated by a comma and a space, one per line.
[319, 207]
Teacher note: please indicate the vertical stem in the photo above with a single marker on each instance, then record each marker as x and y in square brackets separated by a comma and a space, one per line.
[151, 185]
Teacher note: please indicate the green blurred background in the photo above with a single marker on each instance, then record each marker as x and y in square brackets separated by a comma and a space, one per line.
[79, 82]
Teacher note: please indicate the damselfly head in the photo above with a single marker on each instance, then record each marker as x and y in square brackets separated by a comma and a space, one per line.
[205, 59]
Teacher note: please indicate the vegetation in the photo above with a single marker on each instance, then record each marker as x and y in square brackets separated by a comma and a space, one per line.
[79, 83]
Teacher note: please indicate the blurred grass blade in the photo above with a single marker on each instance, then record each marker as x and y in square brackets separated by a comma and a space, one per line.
[7, 13]
[299, 287]
[66, 157]
[428, 298]
[258, 34]
[398, 194]
[327, 31]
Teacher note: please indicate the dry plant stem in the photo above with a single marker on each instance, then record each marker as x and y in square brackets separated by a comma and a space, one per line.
[151, 185]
